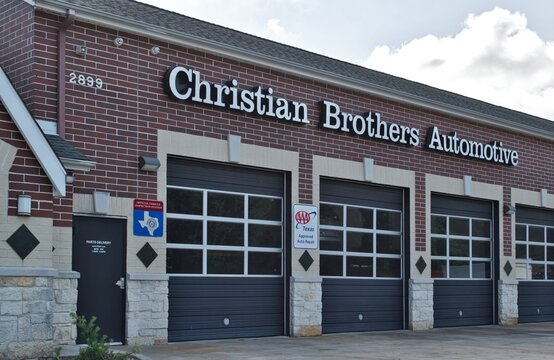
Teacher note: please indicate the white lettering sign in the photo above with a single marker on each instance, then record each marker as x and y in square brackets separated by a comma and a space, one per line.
[368, 125]
[185, 84]
[451, 143]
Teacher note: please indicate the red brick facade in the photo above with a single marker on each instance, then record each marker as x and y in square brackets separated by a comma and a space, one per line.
[116, 124]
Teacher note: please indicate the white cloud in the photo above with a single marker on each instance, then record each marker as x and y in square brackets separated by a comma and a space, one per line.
[274, 26]
[277, 32]
[495, 58]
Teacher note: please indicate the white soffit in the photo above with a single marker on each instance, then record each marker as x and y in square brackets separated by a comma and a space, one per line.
[33, 135]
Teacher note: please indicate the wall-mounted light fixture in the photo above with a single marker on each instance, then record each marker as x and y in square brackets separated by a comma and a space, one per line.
[147, 163]
[118, 41]
[80, 50]
[101, 200]
[24, 205]
[155, 50]
[509, 209]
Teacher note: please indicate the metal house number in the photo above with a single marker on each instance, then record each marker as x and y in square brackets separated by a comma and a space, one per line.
[85, 80]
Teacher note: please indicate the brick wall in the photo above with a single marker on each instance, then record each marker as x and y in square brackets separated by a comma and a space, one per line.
[115, 124]
[26, 175]
[16, 37]
[17, 58]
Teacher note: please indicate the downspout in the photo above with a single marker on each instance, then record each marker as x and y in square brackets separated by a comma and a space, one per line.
[65, 24]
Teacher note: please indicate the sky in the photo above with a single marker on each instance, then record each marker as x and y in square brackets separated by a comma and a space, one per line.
[498, 51]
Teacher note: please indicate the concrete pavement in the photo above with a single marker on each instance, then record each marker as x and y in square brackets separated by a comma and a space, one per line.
[527, 341]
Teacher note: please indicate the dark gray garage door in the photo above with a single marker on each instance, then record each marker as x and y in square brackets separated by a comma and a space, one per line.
[361, 262]
[225, 251]
[535, 264]
[462, 261]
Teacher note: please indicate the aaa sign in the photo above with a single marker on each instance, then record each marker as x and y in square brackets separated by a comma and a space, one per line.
[305, 224]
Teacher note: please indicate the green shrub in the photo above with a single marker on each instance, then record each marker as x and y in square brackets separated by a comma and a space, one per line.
[98, 348]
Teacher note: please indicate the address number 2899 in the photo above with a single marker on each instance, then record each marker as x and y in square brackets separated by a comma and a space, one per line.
[83, 80]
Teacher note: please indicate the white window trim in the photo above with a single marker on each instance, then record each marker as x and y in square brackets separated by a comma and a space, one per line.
[245, 249]
[470, 239]
[374, 231]
[545, 244]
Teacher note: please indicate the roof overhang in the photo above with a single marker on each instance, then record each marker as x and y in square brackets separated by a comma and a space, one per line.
[121, 23]
[78, 165]
[32, 134]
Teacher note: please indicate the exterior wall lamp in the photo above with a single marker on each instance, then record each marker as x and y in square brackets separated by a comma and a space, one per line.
[24, 205]
[509, 209]
[101, 202]
[147, 163]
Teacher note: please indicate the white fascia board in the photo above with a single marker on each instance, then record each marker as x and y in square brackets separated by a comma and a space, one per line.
[171, 36]
[32, 134]
[78, 165]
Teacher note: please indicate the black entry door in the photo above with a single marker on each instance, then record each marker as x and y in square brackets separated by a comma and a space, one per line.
[99, 256]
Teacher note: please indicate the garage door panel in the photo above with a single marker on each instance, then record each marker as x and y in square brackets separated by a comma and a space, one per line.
[461, 297]
[345, 299]
[444, 321]
[224, 333]
[369, 315]
[534, 230]
[535, 301]
[236, 306]
[474, 298]
[468, 301]
[376, 290]
[361, 304]
[205, 175]
[352, 303]
[216, 290]
[359, 326]
[461, 288]
[215, 321]
[218, 296]
[360, 194]
[249, 314]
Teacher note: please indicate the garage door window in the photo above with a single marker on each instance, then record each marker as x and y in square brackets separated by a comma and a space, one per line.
[460, 247]
[223, 233]
[534, 252]
[360, 241]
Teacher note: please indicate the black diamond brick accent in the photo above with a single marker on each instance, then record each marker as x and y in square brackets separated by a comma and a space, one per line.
[508, 268]
[306, 260]
[23, 242]
[147, 254]
[421, 264]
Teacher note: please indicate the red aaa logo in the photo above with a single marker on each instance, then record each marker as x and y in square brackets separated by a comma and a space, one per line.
[303, 217]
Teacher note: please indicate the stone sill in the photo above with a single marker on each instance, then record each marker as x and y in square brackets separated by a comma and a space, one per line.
[147, 277]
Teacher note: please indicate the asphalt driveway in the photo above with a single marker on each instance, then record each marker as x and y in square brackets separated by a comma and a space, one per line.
[527, 341]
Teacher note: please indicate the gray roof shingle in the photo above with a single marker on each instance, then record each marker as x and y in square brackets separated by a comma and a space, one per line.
[215, 34]
[64, 149]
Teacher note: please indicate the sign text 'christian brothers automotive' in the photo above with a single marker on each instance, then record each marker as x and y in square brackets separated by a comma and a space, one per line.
[185, 84]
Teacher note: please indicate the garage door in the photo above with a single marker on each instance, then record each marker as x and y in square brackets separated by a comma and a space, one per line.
[535, 264]
[225, 253]
[361, 257]
[462, 261]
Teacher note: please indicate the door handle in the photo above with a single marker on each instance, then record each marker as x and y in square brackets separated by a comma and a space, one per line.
[121, 283]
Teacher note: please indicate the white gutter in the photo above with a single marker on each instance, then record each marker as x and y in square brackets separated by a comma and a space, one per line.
[78, 165]
[32, 134]
[171, 36]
